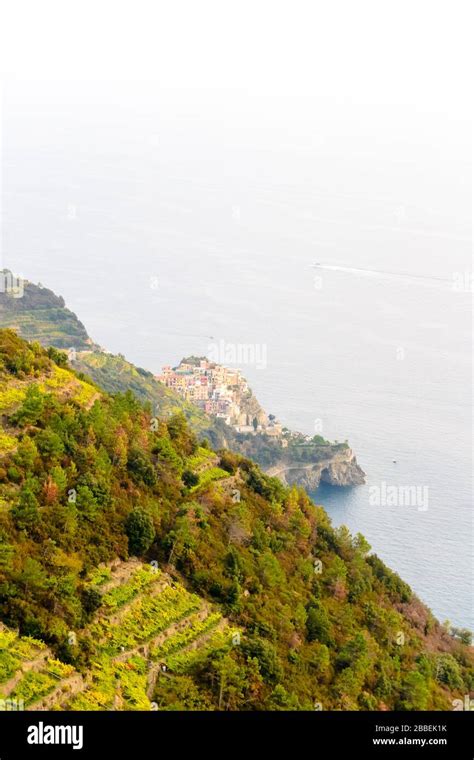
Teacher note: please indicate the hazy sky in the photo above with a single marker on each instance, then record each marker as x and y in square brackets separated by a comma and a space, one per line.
[405, 52]
[377, 84]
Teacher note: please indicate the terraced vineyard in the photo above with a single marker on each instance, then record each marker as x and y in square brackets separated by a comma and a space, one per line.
[29, 673]
[146, 624]
[204, 464]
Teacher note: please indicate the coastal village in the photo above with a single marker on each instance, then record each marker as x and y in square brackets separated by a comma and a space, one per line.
[221, 392]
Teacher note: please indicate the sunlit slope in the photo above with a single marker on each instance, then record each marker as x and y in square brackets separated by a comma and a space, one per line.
[141, 568]
[148, 626]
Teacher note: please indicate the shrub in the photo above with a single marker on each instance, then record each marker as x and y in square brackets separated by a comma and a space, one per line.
[91, 600]
[140, 531]
[190, 478]
[25, 513]
[31, 409]
[267, 657]
[49, 444]
[319, 626]
[414, 692]
[448, 672]
[140, 468]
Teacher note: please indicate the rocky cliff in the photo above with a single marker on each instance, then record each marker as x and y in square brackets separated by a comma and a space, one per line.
[251, 410]
[337, 468]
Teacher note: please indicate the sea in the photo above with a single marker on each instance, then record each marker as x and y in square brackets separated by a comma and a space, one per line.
[324, 245]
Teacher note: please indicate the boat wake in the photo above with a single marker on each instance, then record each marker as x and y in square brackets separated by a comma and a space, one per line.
[379, 273]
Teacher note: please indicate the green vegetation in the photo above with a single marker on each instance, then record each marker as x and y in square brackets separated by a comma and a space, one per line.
[115, 685]
[33, 686]
[7, 442]
[140, 531]
[196, 628]
[200, 458]
[145, 620]
[99, 576]
[9, 664]
[141, 605]
[208, 476]
[124, 593]
[259, 602]
[59, 669]
[31, 674]
[42, 316]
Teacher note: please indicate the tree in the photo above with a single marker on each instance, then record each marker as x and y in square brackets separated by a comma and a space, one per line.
[463, 634]
[140, 531]
[91, 600]
[280, 699]
[25, 513]
[181, 539]
[414, 692]
[166, 452]
[181, 435]
[352, 652]
[141, 468]
[232, 682]
[190, 478]
[49, 444]
[58, 357]
[86, 501]
[26, 454]
[7, 552]
[59, 477]
[319, 626]
[32, 407]
[180, 693]
[361, 544]
[266, 655]
[50, 490]
[319, 658]
[270, 571]
[448, 672]
[229, 461]
[32, 576]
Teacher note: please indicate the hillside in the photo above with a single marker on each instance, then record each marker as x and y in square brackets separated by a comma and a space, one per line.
[147, 628]
[42, 316]
[250, 600]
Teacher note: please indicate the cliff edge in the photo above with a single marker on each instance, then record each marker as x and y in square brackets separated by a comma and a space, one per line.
[337, 468]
